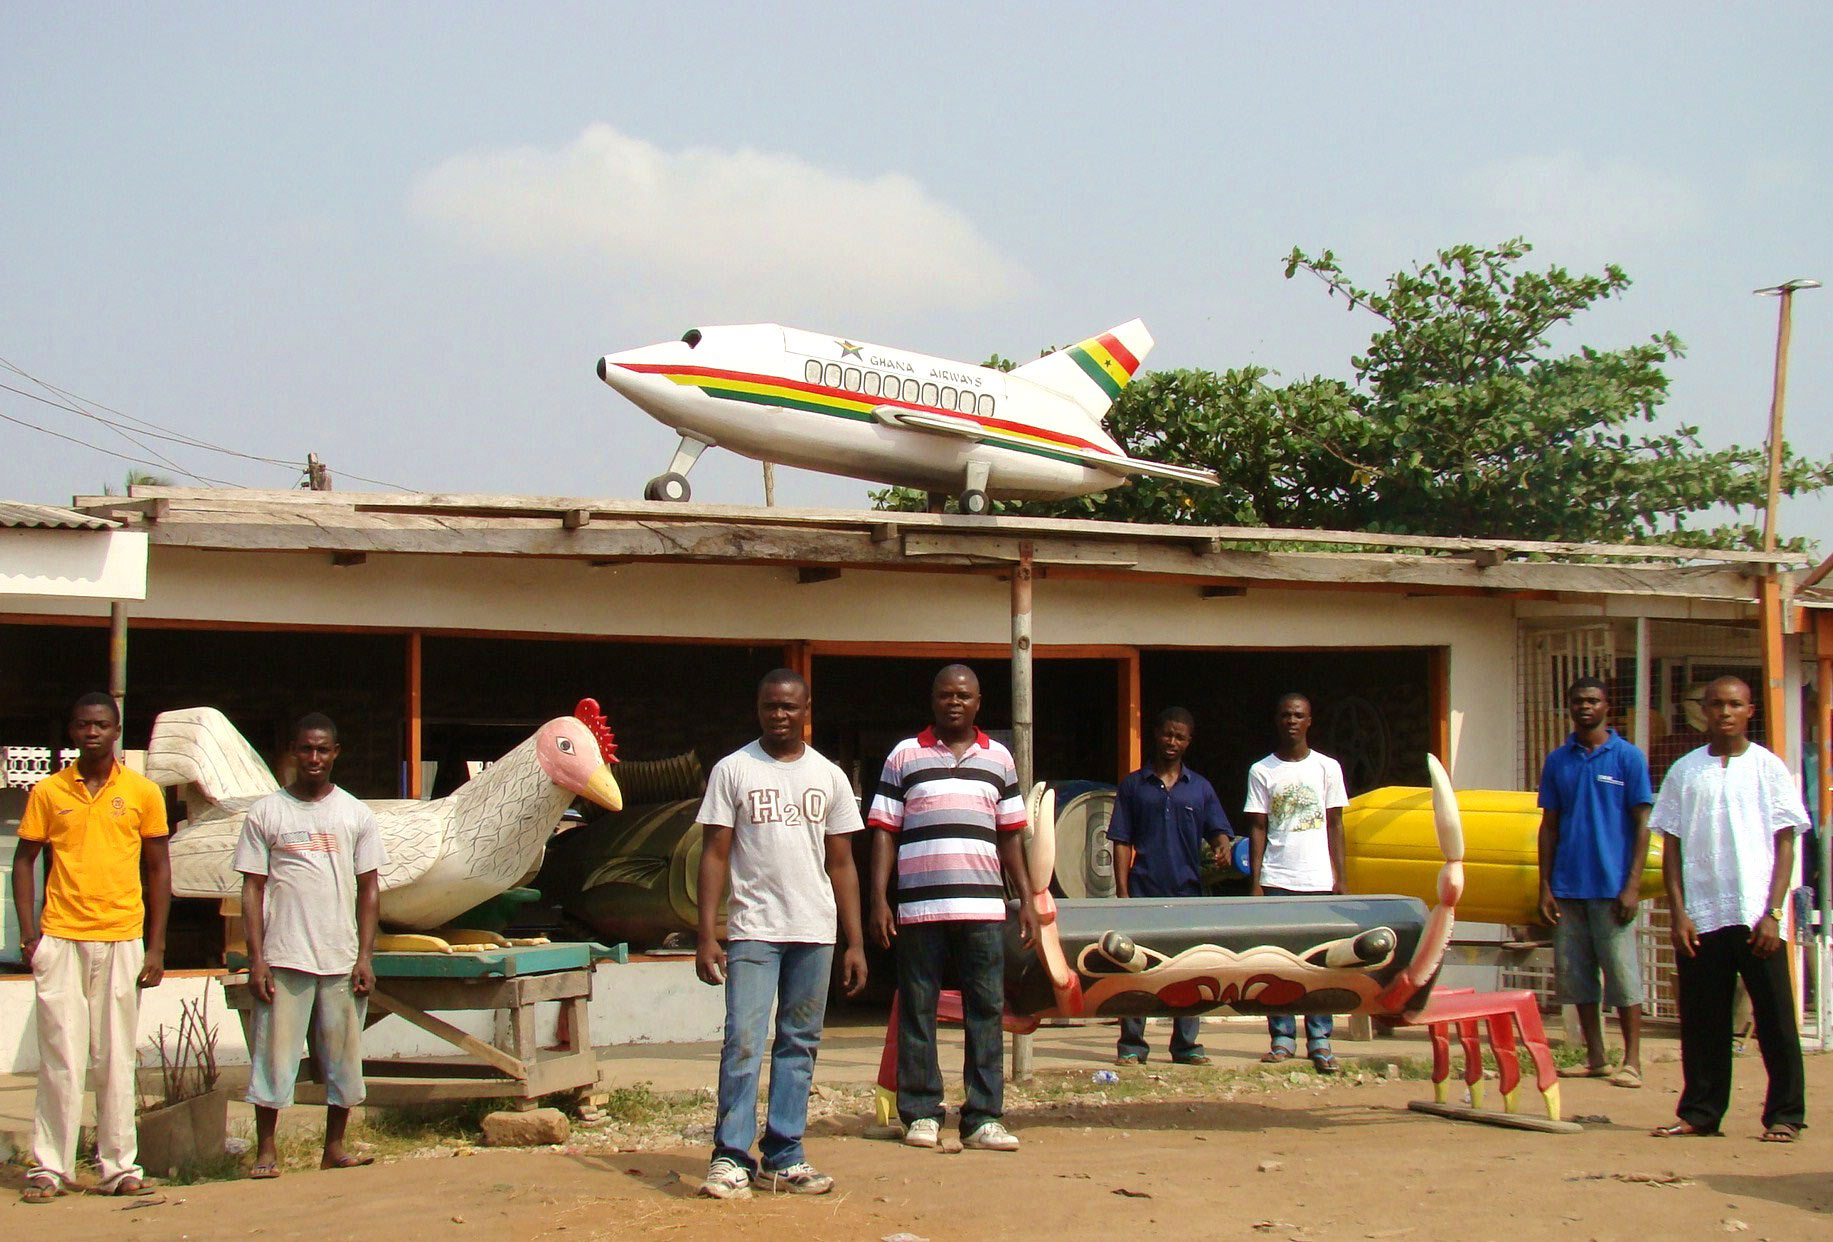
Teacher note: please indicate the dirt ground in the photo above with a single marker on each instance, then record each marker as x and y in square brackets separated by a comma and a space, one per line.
[1280, 1156]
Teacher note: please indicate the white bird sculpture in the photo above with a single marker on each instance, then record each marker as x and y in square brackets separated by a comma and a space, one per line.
[444, 857]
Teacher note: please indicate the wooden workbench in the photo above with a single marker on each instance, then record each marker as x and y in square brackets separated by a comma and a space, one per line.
[508, 981]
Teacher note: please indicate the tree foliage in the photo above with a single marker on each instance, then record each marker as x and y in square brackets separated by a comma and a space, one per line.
[1463, 419]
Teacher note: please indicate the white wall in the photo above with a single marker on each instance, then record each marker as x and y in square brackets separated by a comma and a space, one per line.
[643, 1002]
[533, 595]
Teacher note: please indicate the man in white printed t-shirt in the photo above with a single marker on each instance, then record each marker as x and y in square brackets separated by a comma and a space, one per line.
[777, 818]
[1729, 813]
[309, 854]
[1295, 801]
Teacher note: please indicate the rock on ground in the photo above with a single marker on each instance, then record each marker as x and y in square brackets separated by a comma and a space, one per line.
[537, 1127]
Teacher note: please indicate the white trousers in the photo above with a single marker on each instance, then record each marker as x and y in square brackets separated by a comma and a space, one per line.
[88, 1011]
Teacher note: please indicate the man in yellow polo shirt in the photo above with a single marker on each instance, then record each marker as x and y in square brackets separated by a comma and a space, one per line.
[98, 823]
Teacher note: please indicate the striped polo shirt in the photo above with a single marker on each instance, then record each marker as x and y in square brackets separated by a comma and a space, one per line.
[948, 814]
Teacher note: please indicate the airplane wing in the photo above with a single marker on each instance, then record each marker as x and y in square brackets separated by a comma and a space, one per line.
[1120, 464]
[923, 420]
[968, 429]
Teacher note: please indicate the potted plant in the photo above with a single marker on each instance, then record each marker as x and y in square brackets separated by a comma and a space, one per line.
[187, 1121]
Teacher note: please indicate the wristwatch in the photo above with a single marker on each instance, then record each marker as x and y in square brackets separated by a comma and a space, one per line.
[1776, 913]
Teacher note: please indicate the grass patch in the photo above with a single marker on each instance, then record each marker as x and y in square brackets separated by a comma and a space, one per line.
[641, 1104]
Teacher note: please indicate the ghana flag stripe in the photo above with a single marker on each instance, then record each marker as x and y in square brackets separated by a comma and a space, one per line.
[817, 399]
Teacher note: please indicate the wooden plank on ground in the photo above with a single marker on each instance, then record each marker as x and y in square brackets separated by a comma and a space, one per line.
[1512, 1121]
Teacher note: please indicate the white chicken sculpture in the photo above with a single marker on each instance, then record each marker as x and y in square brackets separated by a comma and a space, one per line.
[444, 857]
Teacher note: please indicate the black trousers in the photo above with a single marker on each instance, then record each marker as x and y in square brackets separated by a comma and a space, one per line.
[1708, 983]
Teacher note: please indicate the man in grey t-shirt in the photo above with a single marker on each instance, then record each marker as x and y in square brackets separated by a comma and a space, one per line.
[778, 818]
[308, 857]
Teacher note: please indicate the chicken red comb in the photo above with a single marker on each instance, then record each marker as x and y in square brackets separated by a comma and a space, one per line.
[594, 719]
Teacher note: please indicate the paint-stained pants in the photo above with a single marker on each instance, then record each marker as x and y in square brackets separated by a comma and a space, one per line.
[793, 978]
[329, 1007]
[88, 1013]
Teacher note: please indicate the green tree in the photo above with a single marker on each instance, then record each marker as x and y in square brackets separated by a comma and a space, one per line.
[1462, 419]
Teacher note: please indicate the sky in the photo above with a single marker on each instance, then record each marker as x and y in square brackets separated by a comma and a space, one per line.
[400, 236]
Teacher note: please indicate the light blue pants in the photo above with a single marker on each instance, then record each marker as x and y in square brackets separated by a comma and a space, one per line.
[793, 978]
[329, 1007]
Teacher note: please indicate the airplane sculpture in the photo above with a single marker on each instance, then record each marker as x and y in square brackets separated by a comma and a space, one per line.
[845, 407]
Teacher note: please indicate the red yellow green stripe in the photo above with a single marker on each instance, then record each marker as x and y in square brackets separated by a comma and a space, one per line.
[769, 390]
[1106, 361]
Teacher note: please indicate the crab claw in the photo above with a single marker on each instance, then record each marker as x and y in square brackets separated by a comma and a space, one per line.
[1445, 811]
[1041, 835]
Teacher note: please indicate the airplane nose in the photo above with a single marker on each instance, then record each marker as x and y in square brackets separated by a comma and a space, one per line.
[601, 368]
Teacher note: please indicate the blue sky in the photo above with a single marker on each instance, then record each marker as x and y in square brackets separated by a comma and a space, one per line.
[400, 236]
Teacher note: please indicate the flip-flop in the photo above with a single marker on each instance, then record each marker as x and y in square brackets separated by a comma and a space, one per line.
[1128, 1058]
[1276, 1056]
[40, 1190]
[130, 1187]
[1781, 1132]
[1197, 1059]
[1628, 1076]
[264, 1171]
[1584, 1071]
[1682, 1129]
[1325, 1063]
[347, 1161]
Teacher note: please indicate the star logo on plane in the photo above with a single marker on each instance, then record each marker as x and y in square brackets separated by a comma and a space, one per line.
[849, 350]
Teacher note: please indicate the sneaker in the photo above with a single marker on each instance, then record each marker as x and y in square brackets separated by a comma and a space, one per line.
[726, 1179]
[991, 1136]
[923, 1132]
[798, 1179]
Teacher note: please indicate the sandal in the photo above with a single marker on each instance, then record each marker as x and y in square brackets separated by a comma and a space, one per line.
[1195, 1058]
[40, 1190]
[129, 1187]
[1325, 1063]
[266, 1170]
[1682, 1129]
[1781, 1132]
[1276, 1056]
[1584, 1071]
[1129, 1058]
[347, 1161]
[1627, 1076]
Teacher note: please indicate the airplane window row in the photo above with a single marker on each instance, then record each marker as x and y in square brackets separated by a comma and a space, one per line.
[873, 384]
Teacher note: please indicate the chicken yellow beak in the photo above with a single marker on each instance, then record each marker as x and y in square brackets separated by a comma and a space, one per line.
[602, 789]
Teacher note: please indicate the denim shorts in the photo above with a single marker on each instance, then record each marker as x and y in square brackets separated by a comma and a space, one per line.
[1589, 940]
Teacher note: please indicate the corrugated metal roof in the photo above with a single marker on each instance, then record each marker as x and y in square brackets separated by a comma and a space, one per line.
[15, 513]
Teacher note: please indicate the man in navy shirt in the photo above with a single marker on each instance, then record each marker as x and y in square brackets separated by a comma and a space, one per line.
[1594, 798]
[1163, 815]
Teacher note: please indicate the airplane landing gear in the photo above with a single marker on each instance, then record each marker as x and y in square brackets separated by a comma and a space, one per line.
[974, 499]
[672, 485]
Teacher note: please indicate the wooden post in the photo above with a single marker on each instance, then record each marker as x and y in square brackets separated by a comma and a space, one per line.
[1775, 725]
[1022, 724]
[1639, 730]
[1775, 702]
[798, 656]
[415, 783]
[1132, 748]
[1823, 710]
[117, 666]
[1438, 703]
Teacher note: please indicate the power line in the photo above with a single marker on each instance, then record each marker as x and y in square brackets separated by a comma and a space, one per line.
[138, 461]
[73, 404]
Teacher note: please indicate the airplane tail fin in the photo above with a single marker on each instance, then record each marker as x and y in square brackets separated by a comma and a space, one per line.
[1093, 373]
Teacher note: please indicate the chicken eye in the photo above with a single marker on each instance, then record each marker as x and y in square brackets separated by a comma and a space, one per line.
[565, 744]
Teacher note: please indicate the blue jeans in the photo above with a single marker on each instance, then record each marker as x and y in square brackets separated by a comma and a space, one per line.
[979, 954]
[1186, 1038]
[793, 977]
[1282, 1026]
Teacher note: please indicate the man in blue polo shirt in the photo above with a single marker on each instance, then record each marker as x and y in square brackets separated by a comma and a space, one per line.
[1163, 815]
[1594, 799]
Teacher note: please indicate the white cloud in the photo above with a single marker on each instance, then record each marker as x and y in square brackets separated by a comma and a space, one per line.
[1573, 207]
[747, 229]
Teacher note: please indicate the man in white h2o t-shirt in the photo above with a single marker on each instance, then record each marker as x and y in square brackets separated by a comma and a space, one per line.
[309, 854]
[778, 818]
[1295, 801]
[1729, 813]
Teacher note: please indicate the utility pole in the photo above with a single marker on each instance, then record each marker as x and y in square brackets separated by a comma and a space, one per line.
[1775, 734]
[317, 474]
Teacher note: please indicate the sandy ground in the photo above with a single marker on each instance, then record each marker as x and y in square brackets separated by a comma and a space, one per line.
[1280, 1157]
